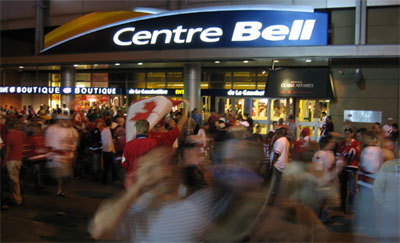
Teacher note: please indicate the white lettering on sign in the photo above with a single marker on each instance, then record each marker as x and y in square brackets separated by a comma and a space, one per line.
[245, 92]
[95, 91]
[148, 91]
[251, 30]
[179, 35]
[30, 90]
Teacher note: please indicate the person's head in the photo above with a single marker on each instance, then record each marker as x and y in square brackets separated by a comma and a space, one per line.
[395, 126]
[195, 111]
[120, 121]
[64, 106]
[390, 121]
[281, 132]
[348, 132]
[280, 121]
[323, 113]
[305, 132]
[258, 128]
[108, 122]
[369, 138]
[328, 118]
[269, 137]
[326, 143]
[142, 127]
[359, 133]
[274, 124]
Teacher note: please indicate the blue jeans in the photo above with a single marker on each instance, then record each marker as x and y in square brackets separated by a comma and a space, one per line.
[348, 189]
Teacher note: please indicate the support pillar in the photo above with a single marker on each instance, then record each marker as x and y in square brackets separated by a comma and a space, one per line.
[68, 80]
[192, 87]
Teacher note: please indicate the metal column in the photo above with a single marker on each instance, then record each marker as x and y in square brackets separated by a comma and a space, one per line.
[67, 80]
[361, 22]
[192, 85]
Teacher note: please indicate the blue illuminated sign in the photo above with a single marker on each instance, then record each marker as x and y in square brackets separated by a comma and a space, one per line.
[204, 29]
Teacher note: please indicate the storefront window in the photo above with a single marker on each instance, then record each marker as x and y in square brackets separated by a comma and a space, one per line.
[218, 79]
[175, 80]
[156, 80]
[278, 109]
[99, 80]
[244, 80]
[261, 79]
[260, 109]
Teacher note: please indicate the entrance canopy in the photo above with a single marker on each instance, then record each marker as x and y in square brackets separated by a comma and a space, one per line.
[300, 83]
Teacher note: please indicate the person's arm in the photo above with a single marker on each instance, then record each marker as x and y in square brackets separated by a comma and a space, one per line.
[184, 117]
[110, 215]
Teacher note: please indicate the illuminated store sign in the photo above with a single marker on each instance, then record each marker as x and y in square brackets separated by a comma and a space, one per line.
[300, 83]
[203, 28]
[59, 90]
[147, 91]
[240, 92]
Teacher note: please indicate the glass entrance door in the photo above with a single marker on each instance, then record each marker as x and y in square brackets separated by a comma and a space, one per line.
[310, 115]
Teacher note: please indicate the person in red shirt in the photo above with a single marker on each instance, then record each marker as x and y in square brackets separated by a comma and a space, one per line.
[167, 138]
[13, 157]
[349, 152]
[135, 149]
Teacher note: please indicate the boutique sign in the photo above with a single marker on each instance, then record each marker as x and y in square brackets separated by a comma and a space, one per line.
[203, 28]
[59, 90]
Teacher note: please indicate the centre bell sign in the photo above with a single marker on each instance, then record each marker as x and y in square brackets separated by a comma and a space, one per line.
[202, 28]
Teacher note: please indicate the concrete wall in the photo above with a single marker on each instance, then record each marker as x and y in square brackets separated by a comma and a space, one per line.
[378, 92]
[343, 26]
[383, 25]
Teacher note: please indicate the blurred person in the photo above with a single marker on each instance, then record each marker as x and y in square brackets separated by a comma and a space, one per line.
[95, 147]
[387, 147]
[203, 135]
[395, 139]
[135, 149]
[13, 157]
[279, 159]
[62, 139]
[108, 151]
[274, 126]
[216, 154]
[211, 121]
[196, 115]
[267, 156]
[325, 163]
[370, 161]
[191, 159]
[349, 151]
[37, 151]
[291, 126]
[386, 190]
[328, 127]
[388, 127]
[148, 212]
[165, 137]
[31, 112]
[301, 143]
[65, 110]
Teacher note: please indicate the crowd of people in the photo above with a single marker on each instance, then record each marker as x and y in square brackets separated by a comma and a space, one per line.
[190, 179]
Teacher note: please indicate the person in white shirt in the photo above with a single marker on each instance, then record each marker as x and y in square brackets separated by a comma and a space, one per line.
[388, 127]
[279, 159]
[370, 161]
[108, 153]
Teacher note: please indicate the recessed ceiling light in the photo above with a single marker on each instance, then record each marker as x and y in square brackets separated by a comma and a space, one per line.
[95, 65]
[117, 64]
[217, 62]
[245, 61]
[140, 63]
[308, 60]
[263, 72]
[21, 66]
[75, 65]
[276, 61]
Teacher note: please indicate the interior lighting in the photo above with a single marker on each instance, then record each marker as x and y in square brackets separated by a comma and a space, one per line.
[75, 65]
[140, 63]
[264, 72]
[276, 61]
[21, 66]
[95, 65]
[308, 60]
[217, 62]
[245, 61]
[117, 64]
